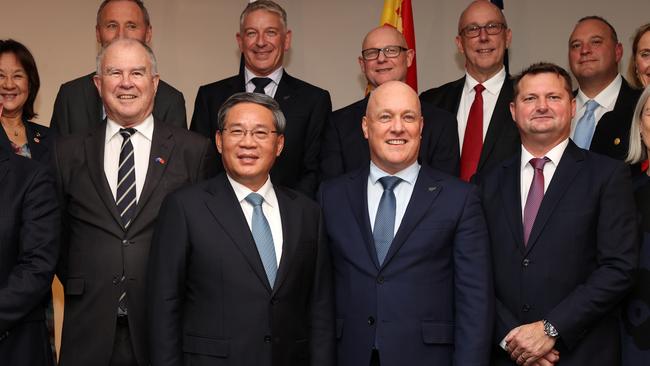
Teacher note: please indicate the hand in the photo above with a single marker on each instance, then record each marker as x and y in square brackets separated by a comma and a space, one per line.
[548, 359]
[528, 343]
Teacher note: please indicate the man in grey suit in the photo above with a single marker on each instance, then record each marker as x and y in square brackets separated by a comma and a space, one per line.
[111, 183]
[78, 107]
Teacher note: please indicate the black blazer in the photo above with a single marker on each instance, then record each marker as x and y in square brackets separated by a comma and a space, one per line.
[612, 134]
[29, 227]
[580, 258]
[345, 149]
[38, 141]
[210, 301]
[305, 107]
[96, 248]
[78, 107]
[502, 138]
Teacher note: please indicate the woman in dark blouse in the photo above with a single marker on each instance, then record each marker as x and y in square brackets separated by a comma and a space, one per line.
[19, 83]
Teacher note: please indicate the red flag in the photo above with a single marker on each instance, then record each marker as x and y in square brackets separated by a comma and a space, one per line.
[399, 14]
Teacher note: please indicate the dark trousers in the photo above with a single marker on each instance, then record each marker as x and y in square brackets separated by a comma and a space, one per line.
[122, 348]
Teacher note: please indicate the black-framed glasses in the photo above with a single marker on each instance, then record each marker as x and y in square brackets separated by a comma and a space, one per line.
[472, 31]
[370, 54]
[259, 134]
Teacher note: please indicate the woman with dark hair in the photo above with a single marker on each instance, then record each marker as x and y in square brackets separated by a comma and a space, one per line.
[19, 83]
[638, 72]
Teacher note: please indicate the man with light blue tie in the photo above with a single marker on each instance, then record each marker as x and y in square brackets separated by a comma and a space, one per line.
[410, 250]
[604, 100]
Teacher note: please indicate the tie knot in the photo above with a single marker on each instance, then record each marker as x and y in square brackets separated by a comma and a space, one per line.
[591, 106]
[255, 199]
[479, 88]
[538, 163]
[389, 182]
[127, 132]
[260, 83]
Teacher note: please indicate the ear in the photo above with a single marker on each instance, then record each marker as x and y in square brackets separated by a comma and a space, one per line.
[512, 110]
[508, 37]
[287, 40]
[98, 84]
[362, 64]
[410, 55]
[99, 40]
[148, 34]
[459, 44]
[619, 52]
[364, 126]
[156, 80]
[280, 145]
[573, 108]
[219, 142]
[240, 42]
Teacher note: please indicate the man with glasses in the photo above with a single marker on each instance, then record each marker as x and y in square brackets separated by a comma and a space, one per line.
[385, 57]
[487, 134]
[240, 269]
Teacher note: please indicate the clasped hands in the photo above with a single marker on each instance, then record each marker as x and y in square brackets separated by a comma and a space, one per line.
[528, 345]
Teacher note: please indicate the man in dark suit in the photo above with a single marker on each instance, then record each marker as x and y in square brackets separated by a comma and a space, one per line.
[239, 271]
[413, 283]
[563, 232]
[78, 107]
[385, 57]
[112, 182]
[29, 228]
[604, 100]
[487, 134]
[263, 39]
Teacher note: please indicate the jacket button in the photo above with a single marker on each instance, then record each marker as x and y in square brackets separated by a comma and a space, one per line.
[525, 308]
[267, 339]
[526, 262]
[371, 320]
[125, 242]
[274, 301]
[380, 280]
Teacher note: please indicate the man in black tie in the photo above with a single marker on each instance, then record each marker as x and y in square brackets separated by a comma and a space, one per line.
[111, 184]
[239, 271]
[563, 232]
[263, 39]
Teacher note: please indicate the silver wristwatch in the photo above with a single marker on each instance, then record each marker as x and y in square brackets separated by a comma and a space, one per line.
[550, 330]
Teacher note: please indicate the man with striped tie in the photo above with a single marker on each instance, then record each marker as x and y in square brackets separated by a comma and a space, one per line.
[111, 184]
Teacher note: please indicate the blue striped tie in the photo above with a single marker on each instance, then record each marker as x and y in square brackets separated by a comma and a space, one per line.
[384, 229]
[263, 237]
[126, 178]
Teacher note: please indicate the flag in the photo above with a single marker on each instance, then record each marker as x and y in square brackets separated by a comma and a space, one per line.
[399, 14]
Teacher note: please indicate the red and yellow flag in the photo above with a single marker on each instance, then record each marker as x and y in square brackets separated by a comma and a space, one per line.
[399, 14]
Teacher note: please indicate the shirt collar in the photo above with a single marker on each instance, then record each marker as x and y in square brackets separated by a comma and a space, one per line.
[409, 174]
[266, 191]
[275, 76]
[145, 128]
[492, 85]
[554, 155]
[606, 98]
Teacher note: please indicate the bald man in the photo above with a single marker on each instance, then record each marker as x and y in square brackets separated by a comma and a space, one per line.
[385, 57]
[409, 245]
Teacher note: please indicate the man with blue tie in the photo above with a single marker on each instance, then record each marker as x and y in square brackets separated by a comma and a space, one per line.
[409, 244]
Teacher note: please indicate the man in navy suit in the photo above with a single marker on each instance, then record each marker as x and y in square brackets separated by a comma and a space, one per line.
[263, 39]
[413, 283]
[563, 232]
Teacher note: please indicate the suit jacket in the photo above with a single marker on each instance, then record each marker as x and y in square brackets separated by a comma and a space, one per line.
[29, 226]
[345, 149]
[612, 134]
[431, 302]
[210, 301]
[78, 107]
[96, 248]
[38, 141]
[305, 107]
[502, 138]
[580, 257]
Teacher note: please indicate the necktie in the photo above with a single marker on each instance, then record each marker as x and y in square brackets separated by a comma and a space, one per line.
[260, 84]
[384, 229]
[263, 237]
[535, 195]
[473, 140]
[586, 126]
[125, 198]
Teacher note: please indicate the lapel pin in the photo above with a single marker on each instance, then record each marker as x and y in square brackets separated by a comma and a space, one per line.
[37, 140]
[617, 141]
[160, 161]
[285, 97]
[431, 189]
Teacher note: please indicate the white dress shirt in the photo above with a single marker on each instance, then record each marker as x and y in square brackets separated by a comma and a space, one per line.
[270, 208]
[270, 89]
[490, 95]
[403, 191]
[606, 101]
[141, 141]
[527, 171]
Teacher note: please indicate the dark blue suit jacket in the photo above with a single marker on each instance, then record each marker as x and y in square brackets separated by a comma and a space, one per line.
[431, 302]
[580, 258]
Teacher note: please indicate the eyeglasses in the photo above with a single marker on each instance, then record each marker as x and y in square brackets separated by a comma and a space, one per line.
[472, 31]
[238, 133]
[370, 54]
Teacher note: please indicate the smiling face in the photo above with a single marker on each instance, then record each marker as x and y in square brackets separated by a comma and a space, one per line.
[593, 53]
[642, 59]
[127, 84]
[385, 69]
[483, 54]
[263, 39]
[393, 126]
[122, 19]
[14, 85]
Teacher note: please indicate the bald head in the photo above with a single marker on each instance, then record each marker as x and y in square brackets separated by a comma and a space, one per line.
[383, 69]
[482, 7]
[393, 91]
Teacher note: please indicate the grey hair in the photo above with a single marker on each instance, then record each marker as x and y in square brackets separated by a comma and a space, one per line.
[637, 150]
[266, 5]
[130, 42]
[256, 98]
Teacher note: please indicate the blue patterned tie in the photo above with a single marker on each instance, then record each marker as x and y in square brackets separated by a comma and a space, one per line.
[384, 229]
[586, 126]
[263, 237]
[125, 200]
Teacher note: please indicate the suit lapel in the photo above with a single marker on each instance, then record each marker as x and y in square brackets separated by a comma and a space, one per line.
[226, 210]
[291, 217]
[284, 92]
[357, 190]
[364, 151]
[500, 116]
[4, 164]
[34, 141]
[456, 94]
[510, 184]
[93, 101]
